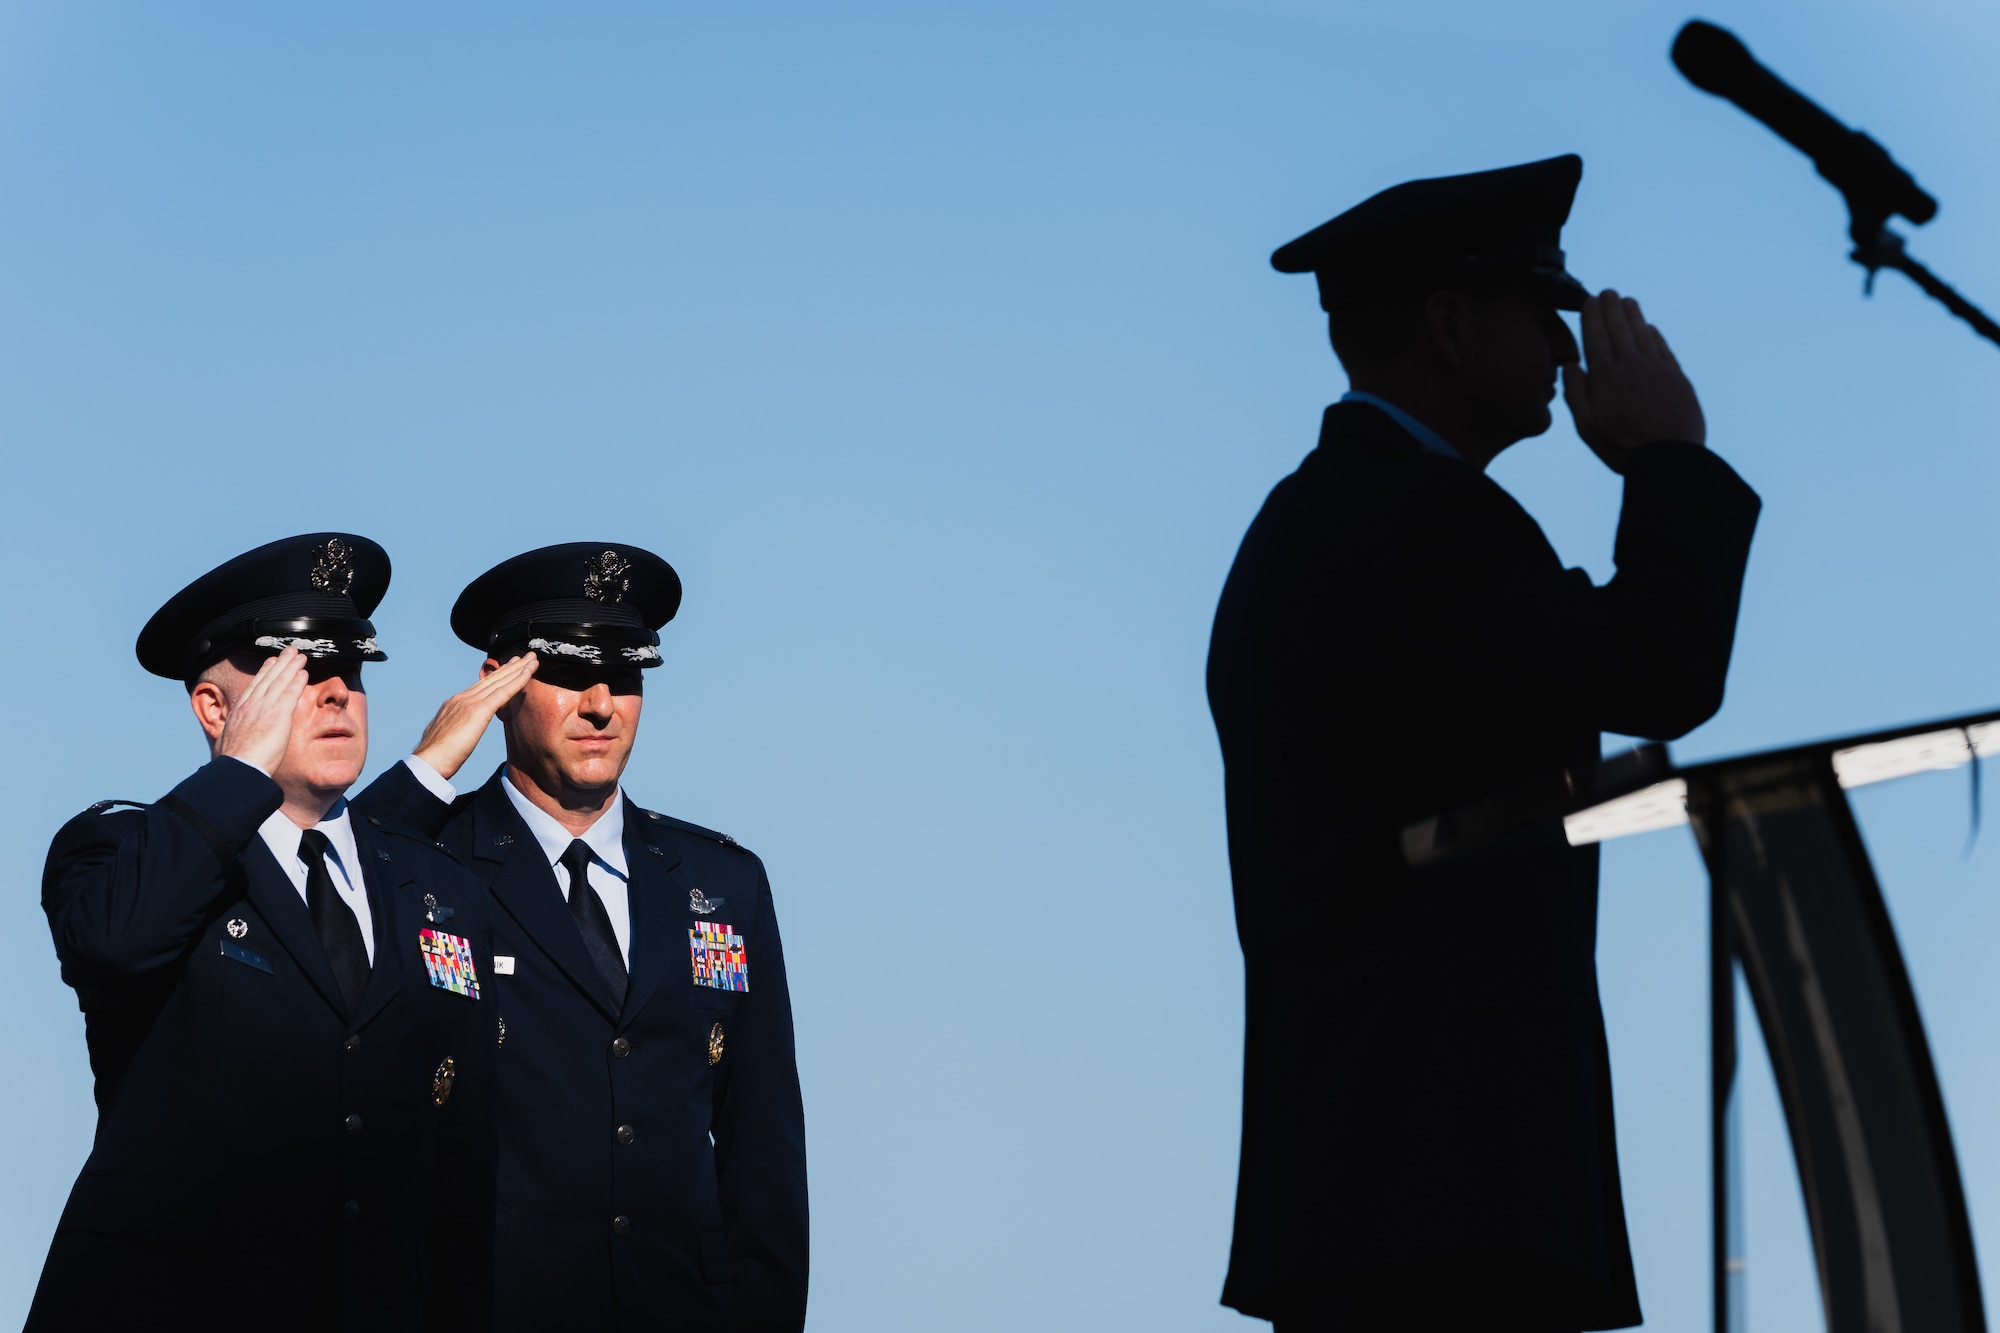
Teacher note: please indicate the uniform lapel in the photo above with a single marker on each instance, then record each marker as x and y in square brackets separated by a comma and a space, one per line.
[284, 911]
[524, 885]
[388, 882]
[658, 901]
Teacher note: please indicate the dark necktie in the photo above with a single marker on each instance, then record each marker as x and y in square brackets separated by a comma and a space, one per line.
[334, 921]
[592, 921]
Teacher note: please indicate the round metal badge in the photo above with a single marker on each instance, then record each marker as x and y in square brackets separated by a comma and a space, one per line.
[238, 928]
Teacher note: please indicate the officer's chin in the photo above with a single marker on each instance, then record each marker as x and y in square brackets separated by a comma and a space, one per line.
[595, 774]
[1532, 420]
[337, 765]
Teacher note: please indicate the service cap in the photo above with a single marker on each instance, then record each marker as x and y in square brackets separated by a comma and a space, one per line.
[596, 603]
[313, 593]
[1423, 235]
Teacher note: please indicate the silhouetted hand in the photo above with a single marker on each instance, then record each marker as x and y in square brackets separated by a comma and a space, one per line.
[259, 726]
[454, 733]
[1634, 393]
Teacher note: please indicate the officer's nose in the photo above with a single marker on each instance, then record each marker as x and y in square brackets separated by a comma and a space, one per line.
[1562, 343]
[595, 703]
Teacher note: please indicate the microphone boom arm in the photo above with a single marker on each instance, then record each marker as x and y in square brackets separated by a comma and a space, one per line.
[1885, 250]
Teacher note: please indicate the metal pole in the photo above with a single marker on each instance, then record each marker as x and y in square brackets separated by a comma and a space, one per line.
[1884, 249]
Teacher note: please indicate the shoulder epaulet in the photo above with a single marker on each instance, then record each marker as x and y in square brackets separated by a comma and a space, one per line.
[391, 827]
[683, 825]
[103, 807]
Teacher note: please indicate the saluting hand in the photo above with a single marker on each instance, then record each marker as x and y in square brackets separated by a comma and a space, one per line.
[258, 729]
[454, 733]
[1634, 393]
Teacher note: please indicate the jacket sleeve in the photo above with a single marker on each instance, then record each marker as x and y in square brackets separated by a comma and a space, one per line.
[1644, 655]
[126, 893]
[398, 798]
[760, 1144]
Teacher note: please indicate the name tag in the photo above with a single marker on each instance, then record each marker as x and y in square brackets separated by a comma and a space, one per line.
[719, 957]
[448, 958]
[503, 964]
[231, 949]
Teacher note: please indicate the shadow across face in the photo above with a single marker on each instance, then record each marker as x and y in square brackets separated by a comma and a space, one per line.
[582, 677]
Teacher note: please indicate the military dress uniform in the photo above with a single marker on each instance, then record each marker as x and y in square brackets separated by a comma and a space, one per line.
[1427, 1115]
[284, 1137]
[651, 1131]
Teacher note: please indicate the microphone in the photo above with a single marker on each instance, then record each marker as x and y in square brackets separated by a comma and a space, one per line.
[1716, 62]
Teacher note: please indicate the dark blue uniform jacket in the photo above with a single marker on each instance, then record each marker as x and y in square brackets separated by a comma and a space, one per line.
[1425, 1084]
[652, 1155]
[263, 1157]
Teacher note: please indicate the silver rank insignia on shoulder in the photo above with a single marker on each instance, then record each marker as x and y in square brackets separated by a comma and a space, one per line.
[700, 903]
[432, 912]
[238, 928]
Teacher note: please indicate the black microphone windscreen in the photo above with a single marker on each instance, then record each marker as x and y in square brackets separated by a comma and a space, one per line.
[1712, 58]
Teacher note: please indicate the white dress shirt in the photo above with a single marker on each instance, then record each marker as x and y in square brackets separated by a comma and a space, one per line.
[433, 780]
[607, 871]
[343, 862]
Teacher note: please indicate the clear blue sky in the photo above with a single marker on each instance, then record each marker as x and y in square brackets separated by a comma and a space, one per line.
[937, 348]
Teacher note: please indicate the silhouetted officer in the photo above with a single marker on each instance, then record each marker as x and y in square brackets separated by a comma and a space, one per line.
[652, 1137]
[1427, 1121]
[287, 1007]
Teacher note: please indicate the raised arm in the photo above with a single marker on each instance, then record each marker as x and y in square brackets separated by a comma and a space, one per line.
[404, 796]
[1531, 648]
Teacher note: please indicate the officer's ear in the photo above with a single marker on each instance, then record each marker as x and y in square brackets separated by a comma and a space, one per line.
[211, 709]
[209, 698]
[1445, 326]
[216, 687]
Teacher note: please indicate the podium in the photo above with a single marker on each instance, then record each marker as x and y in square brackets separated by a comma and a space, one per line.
[1794, 904]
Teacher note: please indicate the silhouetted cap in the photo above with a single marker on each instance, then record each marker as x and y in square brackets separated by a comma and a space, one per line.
[588, 602]
[1421, 236]
[313, 593]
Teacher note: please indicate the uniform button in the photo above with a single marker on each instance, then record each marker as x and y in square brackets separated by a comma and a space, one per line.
[353, 1123]
[352, 1044]
[621, 1047]
[619, 1224]
[625, 1135]
[351, 1211]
